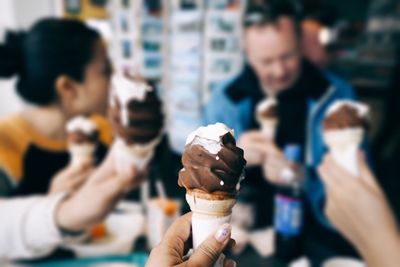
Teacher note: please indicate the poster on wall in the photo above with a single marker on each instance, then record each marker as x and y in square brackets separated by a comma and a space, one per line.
[85, 9]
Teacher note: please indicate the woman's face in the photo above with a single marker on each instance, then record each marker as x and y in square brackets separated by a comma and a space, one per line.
[92, 97]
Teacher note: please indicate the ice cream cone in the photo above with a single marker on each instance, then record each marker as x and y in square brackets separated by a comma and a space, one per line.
[81, 154]
[210, 154]
[139, 124]
[210, 204]
[82, 140]
[344, 144]
[133, 155]
[209, 211]
[344, 129]
[268, 127]
[266, 115]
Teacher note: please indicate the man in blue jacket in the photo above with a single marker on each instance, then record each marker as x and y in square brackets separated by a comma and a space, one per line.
[275, 68]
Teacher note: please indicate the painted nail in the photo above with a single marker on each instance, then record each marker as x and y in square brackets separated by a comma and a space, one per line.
[223, 233]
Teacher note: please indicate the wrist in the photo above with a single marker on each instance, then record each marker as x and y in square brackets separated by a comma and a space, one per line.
[64, 218]
[382, 250]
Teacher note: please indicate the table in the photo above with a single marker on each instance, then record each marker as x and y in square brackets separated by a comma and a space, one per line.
[136, 258]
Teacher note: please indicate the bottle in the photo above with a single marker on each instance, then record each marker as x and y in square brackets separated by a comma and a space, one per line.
[289, 208]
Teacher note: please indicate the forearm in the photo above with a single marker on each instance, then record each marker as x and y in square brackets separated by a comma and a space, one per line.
[382, 251]
[28, 228]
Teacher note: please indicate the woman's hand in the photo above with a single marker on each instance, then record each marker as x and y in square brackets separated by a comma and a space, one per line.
[71, 178]
[97, 197]
[358, 208]
[177, 242]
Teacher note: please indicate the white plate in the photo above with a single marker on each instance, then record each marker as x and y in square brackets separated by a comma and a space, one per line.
[123, 228]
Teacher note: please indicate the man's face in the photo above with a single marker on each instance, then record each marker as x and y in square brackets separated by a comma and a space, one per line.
[274, 53]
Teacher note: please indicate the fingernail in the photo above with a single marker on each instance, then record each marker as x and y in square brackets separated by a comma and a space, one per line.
[223, 233]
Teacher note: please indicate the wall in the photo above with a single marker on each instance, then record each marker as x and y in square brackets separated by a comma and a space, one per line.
[19, 14]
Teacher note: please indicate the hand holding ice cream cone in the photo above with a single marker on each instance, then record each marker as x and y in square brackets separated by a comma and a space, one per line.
[344, 129]
[173, 249]
[213, 169]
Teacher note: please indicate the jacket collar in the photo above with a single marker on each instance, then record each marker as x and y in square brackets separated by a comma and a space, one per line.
[312, 82]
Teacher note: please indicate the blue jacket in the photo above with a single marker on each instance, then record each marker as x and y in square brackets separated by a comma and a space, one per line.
[237, 116]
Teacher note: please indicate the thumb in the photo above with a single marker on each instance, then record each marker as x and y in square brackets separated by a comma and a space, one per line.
[209, 251]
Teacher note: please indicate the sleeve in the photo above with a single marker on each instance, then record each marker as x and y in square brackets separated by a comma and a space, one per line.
[28, 228]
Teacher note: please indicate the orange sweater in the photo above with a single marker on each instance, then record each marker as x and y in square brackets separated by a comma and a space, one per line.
[26, 154]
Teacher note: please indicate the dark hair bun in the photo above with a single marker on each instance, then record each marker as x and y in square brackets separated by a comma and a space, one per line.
[11, 54]
[52, 47]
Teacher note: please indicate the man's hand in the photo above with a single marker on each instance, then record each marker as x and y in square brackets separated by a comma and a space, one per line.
[275, 166]
[254, 144]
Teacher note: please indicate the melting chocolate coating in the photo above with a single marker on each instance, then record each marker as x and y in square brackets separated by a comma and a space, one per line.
[145, 120]
[205, 171]
[270, 113]
[345, 117]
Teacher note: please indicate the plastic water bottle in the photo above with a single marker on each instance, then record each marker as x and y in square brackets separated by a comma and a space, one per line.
[289, 208]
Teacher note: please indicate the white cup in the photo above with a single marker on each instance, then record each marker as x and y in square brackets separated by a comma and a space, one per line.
[158, 222]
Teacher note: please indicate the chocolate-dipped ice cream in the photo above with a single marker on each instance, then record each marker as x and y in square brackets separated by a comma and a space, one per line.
[346, 114]
[267, 109]
[144, 120]
[137, 120]
[213, 166]
[343, 131]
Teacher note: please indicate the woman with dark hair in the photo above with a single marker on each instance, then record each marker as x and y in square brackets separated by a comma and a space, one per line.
[62, 70]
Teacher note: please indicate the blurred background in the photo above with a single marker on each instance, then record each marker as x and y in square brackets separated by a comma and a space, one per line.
[188, 47]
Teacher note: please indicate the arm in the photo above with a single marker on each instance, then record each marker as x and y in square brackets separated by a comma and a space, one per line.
[28, 228]
[358, 208]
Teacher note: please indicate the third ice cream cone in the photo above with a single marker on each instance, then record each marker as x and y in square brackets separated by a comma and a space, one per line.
[267, 116]
[344, 129]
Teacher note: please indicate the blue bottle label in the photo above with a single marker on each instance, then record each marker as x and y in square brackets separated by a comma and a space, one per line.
[288, 215]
